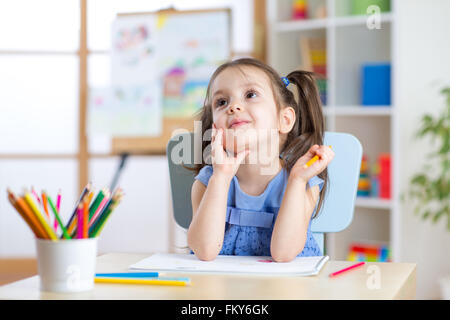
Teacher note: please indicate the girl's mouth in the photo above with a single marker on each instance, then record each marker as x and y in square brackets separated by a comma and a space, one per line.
[238, 124]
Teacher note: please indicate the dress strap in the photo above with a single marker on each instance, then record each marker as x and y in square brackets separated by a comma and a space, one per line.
[249, 218]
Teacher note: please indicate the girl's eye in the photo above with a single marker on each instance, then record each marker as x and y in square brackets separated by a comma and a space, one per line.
[220, 103]
[251, 94]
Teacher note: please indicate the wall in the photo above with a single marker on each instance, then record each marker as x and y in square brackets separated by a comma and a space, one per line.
[423, 69]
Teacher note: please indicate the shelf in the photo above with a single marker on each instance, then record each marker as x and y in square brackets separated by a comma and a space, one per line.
[358, 110]
[312, 24]
[358, 20]
[374, 203]
[299, 25]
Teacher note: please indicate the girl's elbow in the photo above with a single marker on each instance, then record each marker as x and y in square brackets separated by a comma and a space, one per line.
[205, 255]
[283, 257]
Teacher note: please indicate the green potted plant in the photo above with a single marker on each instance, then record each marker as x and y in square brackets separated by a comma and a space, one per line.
[430, 188]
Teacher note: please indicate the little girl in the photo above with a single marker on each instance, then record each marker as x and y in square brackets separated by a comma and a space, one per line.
[241, 204]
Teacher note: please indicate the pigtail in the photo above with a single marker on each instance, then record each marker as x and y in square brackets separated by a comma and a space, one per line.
[308, 129]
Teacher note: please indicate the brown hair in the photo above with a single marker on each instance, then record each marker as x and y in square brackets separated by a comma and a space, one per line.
[308, 129]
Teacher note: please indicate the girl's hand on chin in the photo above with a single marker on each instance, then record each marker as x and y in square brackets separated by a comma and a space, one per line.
[222, 163]
[325, 155]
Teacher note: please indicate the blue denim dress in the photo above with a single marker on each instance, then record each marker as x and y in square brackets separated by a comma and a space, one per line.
[250, 219]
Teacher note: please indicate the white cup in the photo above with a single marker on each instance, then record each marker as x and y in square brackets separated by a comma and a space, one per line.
[66, 265]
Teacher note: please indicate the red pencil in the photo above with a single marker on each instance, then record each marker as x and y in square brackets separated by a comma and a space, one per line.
[346, 269]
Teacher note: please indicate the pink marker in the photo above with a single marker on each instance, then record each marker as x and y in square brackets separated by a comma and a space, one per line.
[80, 222]
[35, 195]
[58, 206]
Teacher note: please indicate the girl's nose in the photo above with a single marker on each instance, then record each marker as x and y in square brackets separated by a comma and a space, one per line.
[234, 108]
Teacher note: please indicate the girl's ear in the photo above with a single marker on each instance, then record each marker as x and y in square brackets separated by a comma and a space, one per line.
[286, 120]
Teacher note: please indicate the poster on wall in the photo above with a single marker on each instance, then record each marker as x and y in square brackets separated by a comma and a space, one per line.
[125, 111]
[161, 64]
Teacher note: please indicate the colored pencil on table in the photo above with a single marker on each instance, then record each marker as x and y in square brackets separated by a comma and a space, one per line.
[80, 221]
[129, 274]
[142, 281]
[27, 215]
[58, 218]
[347, 269]
[58, 209]
[70, 226]
[40, 217]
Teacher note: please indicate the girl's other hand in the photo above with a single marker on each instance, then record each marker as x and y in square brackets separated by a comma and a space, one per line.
[222, 163]
[325, 155]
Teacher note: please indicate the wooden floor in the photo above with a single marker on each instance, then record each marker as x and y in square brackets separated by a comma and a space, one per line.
[16, 269]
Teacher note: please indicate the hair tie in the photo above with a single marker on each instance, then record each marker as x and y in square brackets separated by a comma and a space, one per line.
[285, 81]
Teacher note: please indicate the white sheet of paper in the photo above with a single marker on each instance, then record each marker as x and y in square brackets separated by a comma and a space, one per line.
[303, 266]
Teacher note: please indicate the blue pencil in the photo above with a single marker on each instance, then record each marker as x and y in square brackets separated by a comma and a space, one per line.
[129, 274]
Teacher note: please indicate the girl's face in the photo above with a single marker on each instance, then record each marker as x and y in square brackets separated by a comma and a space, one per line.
[244, 106]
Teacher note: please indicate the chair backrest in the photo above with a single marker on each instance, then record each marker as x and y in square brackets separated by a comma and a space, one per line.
[343, 172]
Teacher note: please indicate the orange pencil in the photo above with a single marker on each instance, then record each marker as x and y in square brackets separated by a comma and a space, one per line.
[12, 198]
[32, 217]
[44, 201]
[85, 219]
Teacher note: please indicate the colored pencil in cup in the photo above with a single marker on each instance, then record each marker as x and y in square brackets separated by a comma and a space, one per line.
[85, 218]
[71, 224]
[44, 204]
[100, 208]
[58, 209]
[97, 201]
[80, 214]
[35, 195]
[347, 269]
[58, 218]
[29, 200]
[310, 162]
[27, 215]
[97, 227]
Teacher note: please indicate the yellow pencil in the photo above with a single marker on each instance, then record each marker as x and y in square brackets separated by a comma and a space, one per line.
[143, 281]
[310, 162]
[40, 217]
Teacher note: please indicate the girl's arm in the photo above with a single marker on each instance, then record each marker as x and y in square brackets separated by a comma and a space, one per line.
[209, 204]
[290, 229]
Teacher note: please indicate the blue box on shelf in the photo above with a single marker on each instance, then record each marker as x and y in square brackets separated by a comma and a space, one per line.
[376, 84]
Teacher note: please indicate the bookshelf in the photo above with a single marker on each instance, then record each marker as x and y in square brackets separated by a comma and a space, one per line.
[349, 44]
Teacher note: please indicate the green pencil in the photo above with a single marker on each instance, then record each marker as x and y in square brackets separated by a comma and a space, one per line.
[64, 230]
[98, 199]
[100, 223]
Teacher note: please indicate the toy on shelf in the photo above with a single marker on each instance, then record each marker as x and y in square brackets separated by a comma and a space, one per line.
[314, 58]
[369, 253]
[364, 179]
[384, 161]
[375, 181]
[376, 84]
[299, 10]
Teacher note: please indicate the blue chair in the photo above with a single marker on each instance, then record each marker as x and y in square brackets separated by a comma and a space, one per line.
[339, 203]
